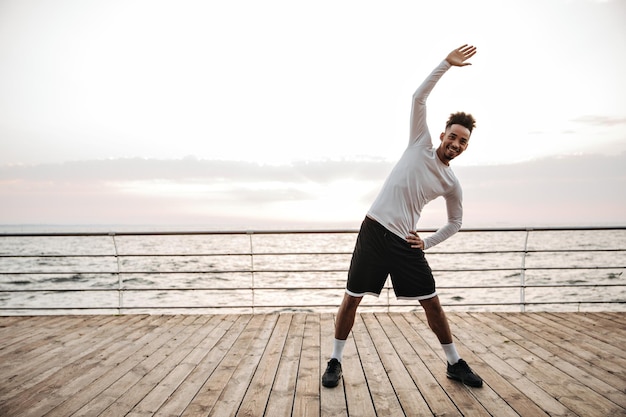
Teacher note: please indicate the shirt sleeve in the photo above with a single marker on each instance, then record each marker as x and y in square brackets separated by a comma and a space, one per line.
[454, 207]
[419, 129]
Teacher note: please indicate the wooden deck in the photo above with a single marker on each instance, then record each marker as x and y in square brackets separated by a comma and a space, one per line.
[533, 364]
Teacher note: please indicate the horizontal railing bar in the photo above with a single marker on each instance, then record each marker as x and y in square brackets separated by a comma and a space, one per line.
[183, 255]
[185, 233]
[296, 231]
[290, 306]
[307, 288]
[249, 271]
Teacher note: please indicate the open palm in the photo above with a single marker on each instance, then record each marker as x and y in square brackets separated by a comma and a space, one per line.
[460, 55]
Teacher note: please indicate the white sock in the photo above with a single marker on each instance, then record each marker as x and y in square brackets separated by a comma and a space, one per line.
[338, 346]
[451, 354]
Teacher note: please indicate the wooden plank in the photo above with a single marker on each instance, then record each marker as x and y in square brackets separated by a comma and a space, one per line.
[257, 395]
[233, 393]
[16, 358]
[435, 360]
[566, 390]
[502, 347]
[357, 400]
[499, 397]
[383, 396]
[69, 379]
[16, 326]
[281, 398]
[610, 319]
[402, 337]
[116, 371]
[208, 395]
[495, 402]
[142, 363]
[333, 400]
[307, 397]
[500, 380]
[582, 350]
[586, 346]
[593, 329]
[20, 327]
[122, 371]
[154, 345]
[204, 359]
[614, 316]
[411, 401]
[56, 337]
[171, 372]
[71, 344]
[155, 349]
[552, 353]
[597, 327]
[534, 364]
[18, 334]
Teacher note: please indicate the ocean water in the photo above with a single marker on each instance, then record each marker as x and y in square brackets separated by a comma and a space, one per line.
[475, 271]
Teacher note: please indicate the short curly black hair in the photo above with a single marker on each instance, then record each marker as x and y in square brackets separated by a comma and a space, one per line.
[463, 119]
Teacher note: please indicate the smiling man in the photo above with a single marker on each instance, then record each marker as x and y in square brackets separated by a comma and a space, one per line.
[388, 244]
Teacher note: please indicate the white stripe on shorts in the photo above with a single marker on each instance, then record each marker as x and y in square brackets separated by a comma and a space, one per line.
[358, 295]
[419, 297]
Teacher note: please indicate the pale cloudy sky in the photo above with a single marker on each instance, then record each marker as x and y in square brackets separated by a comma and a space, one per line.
[144, 111]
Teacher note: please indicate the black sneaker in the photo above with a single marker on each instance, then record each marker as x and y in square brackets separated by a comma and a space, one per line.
[333, 374]
[461, 371]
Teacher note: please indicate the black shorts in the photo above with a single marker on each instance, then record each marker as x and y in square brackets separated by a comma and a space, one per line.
[378, 253]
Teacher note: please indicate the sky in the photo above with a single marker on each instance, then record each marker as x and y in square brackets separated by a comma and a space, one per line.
[248, 114]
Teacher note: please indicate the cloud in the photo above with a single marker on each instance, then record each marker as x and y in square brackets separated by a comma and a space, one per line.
[597, 120]
[136, 169]
[583, 189]
[187, 190]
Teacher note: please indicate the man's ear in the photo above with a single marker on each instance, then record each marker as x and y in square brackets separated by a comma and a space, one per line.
[442, 135]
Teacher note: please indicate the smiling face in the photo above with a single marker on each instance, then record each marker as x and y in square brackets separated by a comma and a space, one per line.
[454, 141]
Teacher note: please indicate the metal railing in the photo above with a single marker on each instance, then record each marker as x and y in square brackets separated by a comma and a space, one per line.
[261, 271]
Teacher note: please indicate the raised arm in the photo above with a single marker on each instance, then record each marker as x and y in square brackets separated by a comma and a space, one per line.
[457, 58]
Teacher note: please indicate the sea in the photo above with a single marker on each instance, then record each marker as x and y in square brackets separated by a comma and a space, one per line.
[256, 271]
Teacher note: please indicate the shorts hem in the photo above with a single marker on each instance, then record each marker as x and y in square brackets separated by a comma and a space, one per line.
[419, 297]
[361, 294]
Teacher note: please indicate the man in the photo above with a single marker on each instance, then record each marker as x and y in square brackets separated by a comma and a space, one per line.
[388, 244]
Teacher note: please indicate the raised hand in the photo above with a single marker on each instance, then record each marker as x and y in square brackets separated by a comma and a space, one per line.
[460, 55]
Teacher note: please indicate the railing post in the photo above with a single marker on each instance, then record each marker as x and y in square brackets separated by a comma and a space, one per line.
[250, 233]
[388, 300]
[120, 293]
[522, 275]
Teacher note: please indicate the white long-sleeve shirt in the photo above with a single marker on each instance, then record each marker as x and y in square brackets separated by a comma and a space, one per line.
[419, 177]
